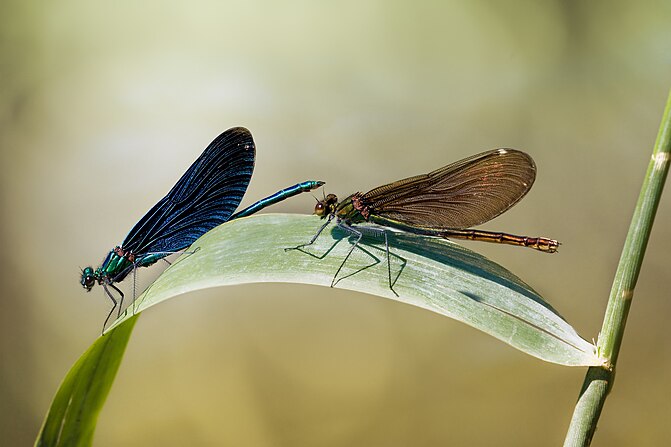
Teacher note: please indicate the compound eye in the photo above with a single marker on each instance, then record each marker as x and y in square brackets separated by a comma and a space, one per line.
[320, 208]
[88, 279]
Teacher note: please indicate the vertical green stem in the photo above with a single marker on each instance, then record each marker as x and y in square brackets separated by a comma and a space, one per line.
[598, 381]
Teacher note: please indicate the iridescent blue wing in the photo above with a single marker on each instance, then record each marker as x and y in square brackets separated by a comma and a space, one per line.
[206, 196]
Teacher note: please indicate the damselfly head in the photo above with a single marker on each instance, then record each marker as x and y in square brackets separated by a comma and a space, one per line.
[88, 278]
[327, 206]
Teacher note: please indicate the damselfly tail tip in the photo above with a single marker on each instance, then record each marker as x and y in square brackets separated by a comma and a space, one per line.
[319, 184]
[550, 246]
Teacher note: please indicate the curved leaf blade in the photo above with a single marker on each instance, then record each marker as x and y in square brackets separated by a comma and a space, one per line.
[431, 273]
[73, 414]
[428, 272]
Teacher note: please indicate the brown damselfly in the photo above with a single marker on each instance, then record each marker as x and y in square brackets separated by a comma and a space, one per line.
[444, 203]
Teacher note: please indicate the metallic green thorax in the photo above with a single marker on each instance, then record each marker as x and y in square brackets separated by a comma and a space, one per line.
[116, 266]
[344, 210]
[113, 265]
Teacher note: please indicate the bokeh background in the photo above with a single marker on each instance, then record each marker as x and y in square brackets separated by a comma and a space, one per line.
[104, 105]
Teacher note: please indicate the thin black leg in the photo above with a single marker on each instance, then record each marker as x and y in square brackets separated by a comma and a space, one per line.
[350, 229]
[359, 233]
[109, 294]
[135, 284]
[314, 238]
[120, 299]
[386, 246]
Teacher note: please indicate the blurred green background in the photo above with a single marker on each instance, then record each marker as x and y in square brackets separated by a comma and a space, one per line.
[105, 105]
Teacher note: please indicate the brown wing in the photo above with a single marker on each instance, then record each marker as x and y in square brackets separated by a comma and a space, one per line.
[460, 195]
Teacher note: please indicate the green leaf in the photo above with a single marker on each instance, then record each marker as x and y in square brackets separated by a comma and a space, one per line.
[428, 272]
[431, 273]
[74, 411]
